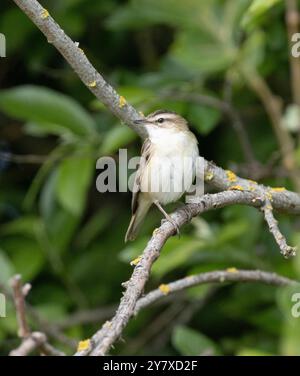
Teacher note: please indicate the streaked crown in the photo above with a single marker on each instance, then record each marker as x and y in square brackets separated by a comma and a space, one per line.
[167, 119]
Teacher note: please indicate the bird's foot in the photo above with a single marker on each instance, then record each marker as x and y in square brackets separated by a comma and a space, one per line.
[167, 217]
[176, 227]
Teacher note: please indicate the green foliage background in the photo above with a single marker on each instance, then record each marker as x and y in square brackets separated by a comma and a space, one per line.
[67, 239]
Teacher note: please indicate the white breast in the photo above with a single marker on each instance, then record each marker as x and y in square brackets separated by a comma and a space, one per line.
[171, 169]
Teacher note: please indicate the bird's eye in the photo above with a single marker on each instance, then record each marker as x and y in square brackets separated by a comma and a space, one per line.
[160, 120]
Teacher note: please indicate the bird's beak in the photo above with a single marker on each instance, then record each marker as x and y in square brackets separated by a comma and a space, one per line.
[140, 121]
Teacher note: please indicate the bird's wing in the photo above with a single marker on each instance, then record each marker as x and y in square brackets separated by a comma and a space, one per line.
[145, 154]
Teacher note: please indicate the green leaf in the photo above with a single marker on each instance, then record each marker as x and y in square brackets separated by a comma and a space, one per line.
[190, 342]
[60, 224]
[26, 225]
[7, 269]
[176, 253]
[204, 119]
[256, 10]
[296, 260]
[139, 13]
[94, 226]
[190, 14]
[245, 351]
[45, 106]
[17, 40]
[252, 52]
[132, 250]
[58, 153]
[116, 138]
[202, 53]
[73, 181]
[26, 255]
[43, 128]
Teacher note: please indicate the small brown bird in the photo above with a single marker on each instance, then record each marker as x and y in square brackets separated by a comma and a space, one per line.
[167, 167]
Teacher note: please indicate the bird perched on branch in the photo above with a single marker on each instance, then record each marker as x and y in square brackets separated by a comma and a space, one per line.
[167, 168]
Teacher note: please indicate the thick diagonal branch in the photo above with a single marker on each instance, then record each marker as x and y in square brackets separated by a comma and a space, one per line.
[111, 331]
[77, 59]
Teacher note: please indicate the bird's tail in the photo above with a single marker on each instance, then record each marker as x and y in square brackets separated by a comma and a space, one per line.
[137, 219]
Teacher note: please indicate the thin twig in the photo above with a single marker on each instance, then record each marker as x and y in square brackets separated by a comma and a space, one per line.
[286, 250]
[51, 330]
[87, 317]
[36, 340]
[225, 107]
[233, 275]
[24, 159]
[221, 180]
[273, 108]
[76, 57]
[29, 344]
[292, 22]
[19, 299]
[239, 127]
[30, 341]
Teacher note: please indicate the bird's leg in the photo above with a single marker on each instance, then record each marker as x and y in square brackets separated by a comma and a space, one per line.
[168, 218]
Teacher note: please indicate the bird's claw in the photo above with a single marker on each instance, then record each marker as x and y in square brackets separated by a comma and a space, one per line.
[176, 227]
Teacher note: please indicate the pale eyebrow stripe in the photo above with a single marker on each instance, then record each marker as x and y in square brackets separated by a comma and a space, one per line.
[165, 116]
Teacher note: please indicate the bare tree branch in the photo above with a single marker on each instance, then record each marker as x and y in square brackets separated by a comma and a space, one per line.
[76, 57]
[19, 298]
[34, 341]
[292, 23]
[226, 108]
[212, 277]
[24, 159]
[30, 341]
[285, 249]
[282, 200]
[110, 332]
[50, 329]
[273, 107]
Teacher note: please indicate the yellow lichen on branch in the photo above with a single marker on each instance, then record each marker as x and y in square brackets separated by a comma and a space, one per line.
[231, 176]
[232, 270]
[236, 188]
[155, 231]
[92, 84]
[83, 345]
[209, 176]
[269, 196]
[122, 101]
[165, 289]
[135, 261]
[278, 189]
[44, 14]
